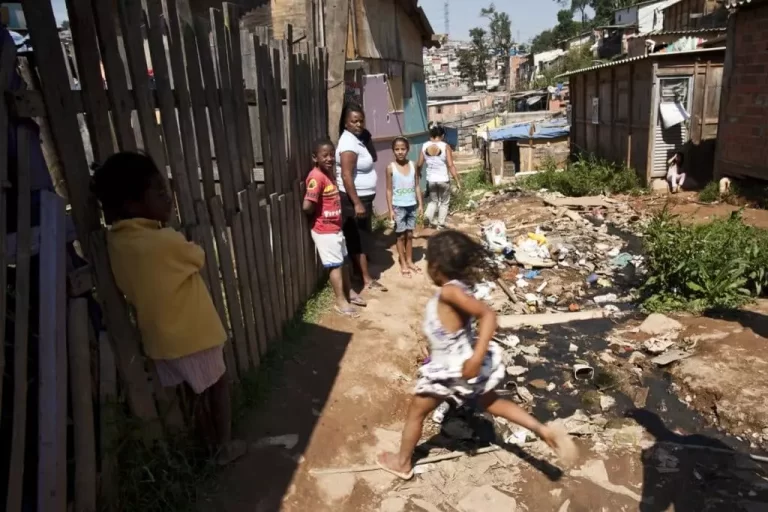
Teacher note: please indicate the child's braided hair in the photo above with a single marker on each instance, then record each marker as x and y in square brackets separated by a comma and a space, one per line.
[457, 256]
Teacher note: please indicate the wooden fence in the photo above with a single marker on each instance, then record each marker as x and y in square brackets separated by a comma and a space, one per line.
[232, 117]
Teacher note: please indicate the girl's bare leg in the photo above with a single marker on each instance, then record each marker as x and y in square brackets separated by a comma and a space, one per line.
[514, 413]
[221, 415]
[409, 252]
[420, 407]
[401, 255]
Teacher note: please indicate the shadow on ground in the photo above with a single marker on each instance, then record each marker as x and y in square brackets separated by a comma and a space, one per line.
[293, 406]
[695, 473]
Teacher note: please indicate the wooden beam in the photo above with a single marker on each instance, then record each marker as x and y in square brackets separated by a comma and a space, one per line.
[336, 30]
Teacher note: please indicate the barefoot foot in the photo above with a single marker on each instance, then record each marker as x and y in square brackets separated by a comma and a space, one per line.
[389, 463]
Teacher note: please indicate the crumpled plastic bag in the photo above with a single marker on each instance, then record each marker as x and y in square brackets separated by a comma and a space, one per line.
[495, 236]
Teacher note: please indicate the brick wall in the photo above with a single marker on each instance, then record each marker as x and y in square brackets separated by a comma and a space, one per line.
[743, 131]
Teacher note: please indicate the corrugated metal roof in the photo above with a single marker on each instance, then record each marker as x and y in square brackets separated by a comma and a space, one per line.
[641, 57]
[685, 32]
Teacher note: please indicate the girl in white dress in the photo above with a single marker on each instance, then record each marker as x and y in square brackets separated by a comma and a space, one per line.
[465, 365]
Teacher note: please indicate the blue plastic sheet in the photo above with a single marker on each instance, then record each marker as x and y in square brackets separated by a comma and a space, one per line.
[522, 131]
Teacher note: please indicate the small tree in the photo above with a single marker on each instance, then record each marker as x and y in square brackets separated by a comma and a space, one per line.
[466, 67]
[500, 39]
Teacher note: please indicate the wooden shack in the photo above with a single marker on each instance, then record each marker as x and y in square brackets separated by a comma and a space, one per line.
[616, 111]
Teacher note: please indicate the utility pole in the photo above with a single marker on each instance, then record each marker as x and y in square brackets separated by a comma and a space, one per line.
[447, 14]
[336, 34]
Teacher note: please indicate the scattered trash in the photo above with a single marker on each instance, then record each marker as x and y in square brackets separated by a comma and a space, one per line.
[516, 371]
[592, 278]
[509, 341]
[484, 290]
[551, 386]
[613, 252]
[538, 384]
[518, 436]
[620, 261]
[532, 274]
[573, 348]
[607, 402]
[521, 283]
[610, 309]
[671, 357]
[657, 345]
[524, 394]
[574, 308]
[530, 350]
[636, 357]
[580, 424]
[533, 300]
[439, 415]
[604, 282]
[495, 235]
[604, 299]
[583, 372]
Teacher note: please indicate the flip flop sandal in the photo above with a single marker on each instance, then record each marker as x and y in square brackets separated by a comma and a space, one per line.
[403, 476]
[375, 285]
[348, 312]
[358, 301]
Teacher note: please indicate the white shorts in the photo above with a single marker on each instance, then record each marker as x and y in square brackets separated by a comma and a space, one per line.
[331, 247]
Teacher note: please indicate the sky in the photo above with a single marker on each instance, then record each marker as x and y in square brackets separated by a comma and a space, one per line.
[527, 20]
[529, 17]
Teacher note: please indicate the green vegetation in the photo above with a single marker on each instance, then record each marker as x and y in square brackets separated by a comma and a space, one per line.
[710, 193]
[173, 474]
[721, 264]
[577, 58]
[472, 183]
[587, 176]
[496, 40]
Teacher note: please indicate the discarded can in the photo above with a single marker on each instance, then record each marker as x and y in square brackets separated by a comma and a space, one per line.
[583, 372]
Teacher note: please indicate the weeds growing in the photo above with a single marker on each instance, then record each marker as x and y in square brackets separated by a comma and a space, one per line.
[710, 193]
[472, 183]
[587, 176]
[717, 265]
[174, 474]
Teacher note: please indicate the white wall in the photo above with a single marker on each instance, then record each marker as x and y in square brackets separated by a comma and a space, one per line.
[626, 16]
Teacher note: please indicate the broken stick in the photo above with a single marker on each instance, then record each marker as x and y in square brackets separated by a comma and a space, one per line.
[428, 460]
[506, 290]
[509, 321]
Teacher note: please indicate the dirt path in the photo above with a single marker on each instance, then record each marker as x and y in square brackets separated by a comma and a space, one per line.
[344, 396]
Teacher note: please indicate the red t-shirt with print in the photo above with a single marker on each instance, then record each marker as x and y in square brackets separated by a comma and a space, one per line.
[322, 191]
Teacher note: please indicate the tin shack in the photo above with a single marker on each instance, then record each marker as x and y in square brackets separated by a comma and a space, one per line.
[640, 111]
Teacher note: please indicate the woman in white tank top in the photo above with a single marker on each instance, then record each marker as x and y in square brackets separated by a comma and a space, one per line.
[438, 158]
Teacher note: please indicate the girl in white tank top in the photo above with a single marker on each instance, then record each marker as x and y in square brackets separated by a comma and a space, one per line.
[437, 156]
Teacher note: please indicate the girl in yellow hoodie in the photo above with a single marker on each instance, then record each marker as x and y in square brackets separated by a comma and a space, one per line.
[158, 271]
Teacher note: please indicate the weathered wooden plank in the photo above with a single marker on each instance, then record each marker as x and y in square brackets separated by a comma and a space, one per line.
[250, 80]
[266, 240]
[301, 238]
[7, 62]
[240, 111]
[120, 99]
[130, 15]
[181, 179]
[108, 425]
[288, 276]
[265, 92]
[21, 315]
[296, 248]
[263, 265]
[276, 227]
[244, 283]
[234, 306]
[336, 26]
[95, 101]
[225, 99]
[52, 358]
[223, 159]
[181, 93]
[253, 282]
[214, 285]
[279, 120]
[84, 433]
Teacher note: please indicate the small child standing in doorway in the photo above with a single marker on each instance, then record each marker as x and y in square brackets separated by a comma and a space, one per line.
[675, 174]
[405, 202]
[158, 271]
[465, 366]
[322, 202]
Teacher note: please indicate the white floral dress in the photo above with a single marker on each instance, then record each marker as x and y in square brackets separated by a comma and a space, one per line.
[441, 376]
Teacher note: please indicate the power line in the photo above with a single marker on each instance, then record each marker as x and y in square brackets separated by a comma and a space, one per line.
[447, 14]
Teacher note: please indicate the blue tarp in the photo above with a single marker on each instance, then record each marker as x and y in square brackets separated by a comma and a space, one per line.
[522, 131]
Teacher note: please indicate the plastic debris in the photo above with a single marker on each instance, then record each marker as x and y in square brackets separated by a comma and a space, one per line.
[657, 345]
[604, 299]
[495, 236]
[583, 372]
[574, 308]
[532, 274]
[613, 252]
[484, 290]
[573, 348]
[592, 278]
[551, 386]
[606, 402]
[532, 299]
[604, 282]
[524, 394]
[439, 415]
[521, 283]
[516, 371]
[541, 287]
[621, 260]
[509, 341]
